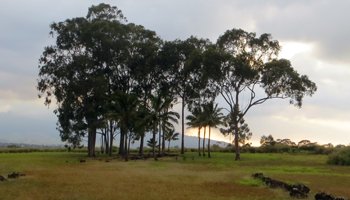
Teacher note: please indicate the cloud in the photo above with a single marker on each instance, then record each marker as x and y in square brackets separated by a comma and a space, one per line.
[315, 31]
[320, 22]
[33, 126]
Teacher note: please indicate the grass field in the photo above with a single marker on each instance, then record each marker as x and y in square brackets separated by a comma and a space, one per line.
[60, 175]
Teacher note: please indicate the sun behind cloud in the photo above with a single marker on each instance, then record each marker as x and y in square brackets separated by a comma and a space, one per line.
[291, 48]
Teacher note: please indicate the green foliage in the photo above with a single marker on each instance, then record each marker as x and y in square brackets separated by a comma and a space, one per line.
[152, 143]
[340, 157]
[267, 140]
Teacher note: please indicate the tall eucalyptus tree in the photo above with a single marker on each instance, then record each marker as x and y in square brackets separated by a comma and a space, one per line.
[71, 72]
[247, 66]
[183, 61]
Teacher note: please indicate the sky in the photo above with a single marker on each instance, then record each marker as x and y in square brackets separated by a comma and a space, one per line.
[313, 34]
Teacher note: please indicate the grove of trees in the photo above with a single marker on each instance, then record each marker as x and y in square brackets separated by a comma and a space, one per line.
[118, 79]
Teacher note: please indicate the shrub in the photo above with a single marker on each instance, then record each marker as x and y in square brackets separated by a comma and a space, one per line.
[340, 157]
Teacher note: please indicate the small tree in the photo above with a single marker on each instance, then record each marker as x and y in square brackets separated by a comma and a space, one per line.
[212, 118]
[267, 140]
[152, 143]
[171, 135]
[196, 120]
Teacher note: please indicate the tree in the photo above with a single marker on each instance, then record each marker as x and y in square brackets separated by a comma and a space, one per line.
[213, 118]
[152, 143]
[72, 73]
[171, 135]
[286, 141]
[267, 140]
[184, 61]
[247, 67]
[125, 112]
[196, 120]
[159, 112]
[304, 143]
[244, 132]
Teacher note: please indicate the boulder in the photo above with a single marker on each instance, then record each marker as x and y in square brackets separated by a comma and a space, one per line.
[13, 175]
[2, 178]
[325, 196]
[295, 191]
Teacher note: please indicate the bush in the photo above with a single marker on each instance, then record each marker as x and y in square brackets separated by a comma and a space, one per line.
[340, 157]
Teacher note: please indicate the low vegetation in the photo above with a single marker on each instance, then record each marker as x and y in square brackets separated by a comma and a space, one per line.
[340, 157]
[61, 175]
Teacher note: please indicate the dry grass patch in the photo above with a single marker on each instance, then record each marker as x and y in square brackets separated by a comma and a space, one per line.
[61, 176]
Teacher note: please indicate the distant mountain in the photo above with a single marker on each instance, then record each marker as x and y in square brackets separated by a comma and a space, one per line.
[190, 142]
[23, 145]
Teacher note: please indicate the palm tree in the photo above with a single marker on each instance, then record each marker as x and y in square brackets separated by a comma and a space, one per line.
[213, 117]
[141, 125]
[195, 120]
[171, 135]
[160, 114]
[124, 112]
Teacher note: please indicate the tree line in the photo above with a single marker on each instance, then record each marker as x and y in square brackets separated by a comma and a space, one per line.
[118, 79]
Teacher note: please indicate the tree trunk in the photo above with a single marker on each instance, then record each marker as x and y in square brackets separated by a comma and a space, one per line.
[125, 150]
[159, 138]
[236, 129]
[238, 156]
[209, 144]
[154, 141]
[121, 142]
[129, 145]
[141, 145]
[111, 137]
[103, 143]
[183, 127]
[205, 128]
[107, 142]
[163, 140]
[91, 141]
[169, 146]
[199, 141]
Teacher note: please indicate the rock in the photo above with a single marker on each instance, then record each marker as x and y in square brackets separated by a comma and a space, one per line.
[2, 178]
[295, 191]
[13, 175]
[325, 196]
[301, 187]
[258, 175]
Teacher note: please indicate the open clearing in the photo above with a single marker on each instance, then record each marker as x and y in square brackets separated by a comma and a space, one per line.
[62, 176]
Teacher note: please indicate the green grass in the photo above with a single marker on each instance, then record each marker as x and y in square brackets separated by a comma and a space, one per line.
[60, 175]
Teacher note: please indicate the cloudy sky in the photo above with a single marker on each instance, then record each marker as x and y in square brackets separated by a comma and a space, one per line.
[314, 36]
